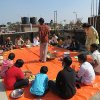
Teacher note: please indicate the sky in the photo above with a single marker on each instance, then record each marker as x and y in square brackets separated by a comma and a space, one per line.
[13, 10]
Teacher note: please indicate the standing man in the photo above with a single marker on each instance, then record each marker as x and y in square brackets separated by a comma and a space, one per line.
[91, 35]
[43, 36]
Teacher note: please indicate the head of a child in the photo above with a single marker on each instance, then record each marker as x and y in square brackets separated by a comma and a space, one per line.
[68, 37]
[8, 39]
[54, 35]
[37, 37]
[93, 47]
[44, 69]
[73, 39]
[67, 61]
[19, 63]
[27, 38]
[11, 56]
[19, 37]
[82, 58]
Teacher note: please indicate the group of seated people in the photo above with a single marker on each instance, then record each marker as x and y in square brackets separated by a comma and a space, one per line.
[68, 43]
[66, 81]
[19, 43]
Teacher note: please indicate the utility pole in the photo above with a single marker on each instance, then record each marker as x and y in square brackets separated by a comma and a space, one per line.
[99, 9]
[75, 16]
[55, 19]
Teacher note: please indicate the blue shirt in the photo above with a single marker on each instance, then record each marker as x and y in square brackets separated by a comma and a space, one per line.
[40, 84]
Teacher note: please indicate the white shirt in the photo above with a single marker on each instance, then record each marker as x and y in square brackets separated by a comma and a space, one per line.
[35, 42]
[96, 56]
[54, 39]
[87, 73]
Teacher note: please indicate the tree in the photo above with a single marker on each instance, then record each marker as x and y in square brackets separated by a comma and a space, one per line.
[79, 22]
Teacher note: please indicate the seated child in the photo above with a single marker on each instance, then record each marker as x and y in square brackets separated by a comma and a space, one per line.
[65, 80]
[75, 45]
[40, 84]
[27, 42]
[67, 42]
[86, 72]
[60, 43]
[19, 42]
[14, 77]
[53, 40]
[7, 63]
[36, 41]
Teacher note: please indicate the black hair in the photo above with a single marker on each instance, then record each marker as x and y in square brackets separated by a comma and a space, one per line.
[44, 69]
[82, 57]
[68, 61]
[95, 46]
[41, 20]
[11, 56]
[18, 36]
[68, 37]
[19, 63]
[73, 37]
[86, 25]
[27, 37]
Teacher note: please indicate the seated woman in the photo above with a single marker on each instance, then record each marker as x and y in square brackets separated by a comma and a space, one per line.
[96, 57]
[6, 64]
[75, 45]
[14, 77]
[86, 73]
[65, 80]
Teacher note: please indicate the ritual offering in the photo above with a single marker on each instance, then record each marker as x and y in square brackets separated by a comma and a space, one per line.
[51, 56]
[28, 46]
[29, 75]
[66, 54]
[31, 78]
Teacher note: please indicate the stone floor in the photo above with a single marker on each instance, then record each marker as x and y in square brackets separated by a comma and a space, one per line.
[3, 95]
[96, 96]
